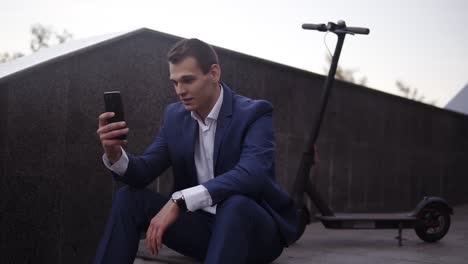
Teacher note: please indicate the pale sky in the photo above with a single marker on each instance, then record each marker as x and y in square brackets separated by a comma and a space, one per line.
[423, 43]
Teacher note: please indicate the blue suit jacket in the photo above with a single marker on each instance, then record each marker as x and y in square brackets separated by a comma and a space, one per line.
[243, 157]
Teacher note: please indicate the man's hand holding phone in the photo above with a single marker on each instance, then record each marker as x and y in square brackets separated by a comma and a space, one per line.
[109, 133]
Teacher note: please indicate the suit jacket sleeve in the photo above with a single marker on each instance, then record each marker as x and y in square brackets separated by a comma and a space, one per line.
[255, 168]
[143, 169]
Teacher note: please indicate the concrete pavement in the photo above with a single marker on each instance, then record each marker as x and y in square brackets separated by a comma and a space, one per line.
[327, 246]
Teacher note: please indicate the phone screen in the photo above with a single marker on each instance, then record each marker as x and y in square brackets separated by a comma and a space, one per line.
[113, 103]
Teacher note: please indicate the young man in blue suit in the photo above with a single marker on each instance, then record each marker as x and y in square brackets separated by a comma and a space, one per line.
[226, 206]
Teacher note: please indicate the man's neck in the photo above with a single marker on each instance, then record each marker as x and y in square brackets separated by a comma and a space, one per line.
[203, 113]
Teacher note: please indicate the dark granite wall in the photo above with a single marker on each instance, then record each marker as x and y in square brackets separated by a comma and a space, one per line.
[377, 152]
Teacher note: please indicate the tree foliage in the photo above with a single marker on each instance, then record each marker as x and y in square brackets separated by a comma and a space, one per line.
[412, 93]
[348, 75]
[41, 37]
[8, 56]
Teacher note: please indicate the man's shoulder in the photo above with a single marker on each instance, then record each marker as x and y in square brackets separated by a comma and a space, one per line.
[175, 109]
[243, 104]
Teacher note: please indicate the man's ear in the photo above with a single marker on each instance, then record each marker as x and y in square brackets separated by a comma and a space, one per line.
[215, 73]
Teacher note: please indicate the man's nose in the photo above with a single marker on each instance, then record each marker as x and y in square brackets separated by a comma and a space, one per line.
[180, 90]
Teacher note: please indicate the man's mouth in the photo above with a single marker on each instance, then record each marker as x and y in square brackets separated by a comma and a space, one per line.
[187, 100]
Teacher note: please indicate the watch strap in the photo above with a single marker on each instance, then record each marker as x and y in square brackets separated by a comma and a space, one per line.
[181, 203]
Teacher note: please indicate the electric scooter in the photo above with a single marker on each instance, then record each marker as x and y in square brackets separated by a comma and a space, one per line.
[431, 217]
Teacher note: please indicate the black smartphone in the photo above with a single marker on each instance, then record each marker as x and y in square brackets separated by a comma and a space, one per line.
[113, 103]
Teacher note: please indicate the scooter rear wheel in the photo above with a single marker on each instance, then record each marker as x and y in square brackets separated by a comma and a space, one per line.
[433, 223]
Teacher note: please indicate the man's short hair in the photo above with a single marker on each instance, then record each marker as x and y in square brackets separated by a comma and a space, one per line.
[203, 53]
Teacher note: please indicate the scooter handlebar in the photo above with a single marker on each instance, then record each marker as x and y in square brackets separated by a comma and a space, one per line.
[319, 27]
[357, 30]
[340, 27]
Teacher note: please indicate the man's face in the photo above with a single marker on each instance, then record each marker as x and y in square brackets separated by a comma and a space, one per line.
[197, 91]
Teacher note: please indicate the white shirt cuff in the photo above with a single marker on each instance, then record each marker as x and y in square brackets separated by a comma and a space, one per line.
[120, 166]
[198, 197]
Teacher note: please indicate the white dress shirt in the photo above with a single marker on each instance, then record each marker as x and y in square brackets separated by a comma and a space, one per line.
[196, 197]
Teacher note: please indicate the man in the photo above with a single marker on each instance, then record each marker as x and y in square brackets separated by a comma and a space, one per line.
[226, 207]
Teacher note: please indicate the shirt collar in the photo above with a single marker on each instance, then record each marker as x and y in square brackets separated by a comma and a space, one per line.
[214, 113]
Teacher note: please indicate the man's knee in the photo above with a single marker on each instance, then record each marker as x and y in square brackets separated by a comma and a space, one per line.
[239, 205]
[125, 198]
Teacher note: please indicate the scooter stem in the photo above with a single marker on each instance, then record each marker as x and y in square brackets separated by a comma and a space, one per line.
[303, 183]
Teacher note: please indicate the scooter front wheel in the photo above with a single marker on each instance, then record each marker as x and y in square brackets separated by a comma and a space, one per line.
[433, 223]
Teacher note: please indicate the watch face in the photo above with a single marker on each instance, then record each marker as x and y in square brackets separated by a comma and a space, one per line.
[177, 195]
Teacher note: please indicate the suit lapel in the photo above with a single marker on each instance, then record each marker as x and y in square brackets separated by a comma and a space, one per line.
[191, 128]
[223, 122]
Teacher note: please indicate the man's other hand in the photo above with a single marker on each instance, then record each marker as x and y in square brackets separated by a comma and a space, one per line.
[107, 134]
[159, 224]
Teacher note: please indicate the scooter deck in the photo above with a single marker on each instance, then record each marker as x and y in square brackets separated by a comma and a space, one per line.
[368, 221]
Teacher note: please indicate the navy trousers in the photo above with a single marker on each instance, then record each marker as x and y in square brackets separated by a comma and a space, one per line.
[240, 232]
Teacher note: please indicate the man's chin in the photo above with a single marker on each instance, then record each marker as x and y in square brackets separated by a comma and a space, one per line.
[189, 107]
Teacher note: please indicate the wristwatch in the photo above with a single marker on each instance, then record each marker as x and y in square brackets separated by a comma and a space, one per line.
[179, 199]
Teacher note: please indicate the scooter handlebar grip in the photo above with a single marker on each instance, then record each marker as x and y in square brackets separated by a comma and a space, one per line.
[358, 30]
[319, 27]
